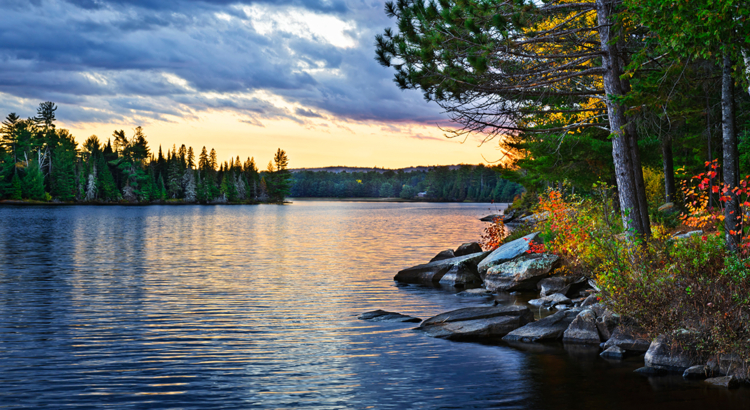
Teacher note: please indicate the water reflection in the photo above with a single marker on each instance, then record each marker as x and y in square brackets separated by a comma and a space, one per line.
[255, 306]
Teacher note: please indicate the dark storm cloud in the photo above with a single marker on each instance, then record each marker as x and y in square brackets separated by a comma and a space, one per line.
[119, 59]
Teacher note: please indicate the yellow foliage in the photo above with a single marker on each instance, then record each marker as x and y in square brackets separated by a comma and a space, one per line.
[655, 193]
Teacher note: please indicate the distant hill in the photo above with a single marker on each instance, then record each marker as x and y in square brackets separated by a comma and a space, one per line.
[340, 169]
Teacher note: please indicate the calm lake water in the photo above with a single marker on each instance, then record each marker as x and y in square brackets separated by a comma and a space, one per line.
[255, 307]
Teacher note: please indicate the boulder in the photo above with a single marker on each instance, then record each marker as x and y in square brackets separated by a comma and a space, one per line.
[534, 218]
[509, 217]
[468, 248]
[590, 300]
[729, 382]
[627, 338]
[606, 323]
[730, 364]
[662, 355]
[446, 254]
[613, 352]
[551, 300]
[432, 272]
[506, 252]
[549, 328]
[521, 274]
[383, 316]
[697, 372]
[491, 218]
[477, 323]
[582, 329]
[556, 284]
[461, 275]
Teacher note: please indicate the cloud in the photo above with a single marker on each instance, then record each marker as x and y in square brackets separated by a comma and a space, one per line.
[110, 60]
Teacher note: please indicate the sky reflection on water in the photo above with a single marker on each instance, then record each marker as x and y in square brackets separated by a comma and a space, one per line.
[255, 307]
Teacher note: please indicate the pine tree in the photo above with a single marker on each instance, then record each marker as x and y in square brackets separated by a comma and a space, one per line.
[16, 191]
[32, 184]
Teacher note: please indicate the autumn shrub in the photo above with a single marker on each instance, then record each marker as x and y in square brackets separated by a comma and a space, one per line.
[494, 235]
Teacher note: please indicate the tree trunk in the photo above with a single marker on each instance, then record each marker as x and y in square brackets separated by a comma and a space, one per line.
[622, 144]
[669, 185]
[732, 217]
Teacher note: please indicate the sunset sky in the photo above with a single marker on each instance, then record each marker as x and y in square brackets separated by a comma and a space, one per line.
[243, 77]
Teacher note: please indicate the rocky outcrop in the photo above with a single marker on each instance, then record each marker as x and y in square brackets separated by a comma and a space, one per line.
[731, 365]
[583, 329]
[431, 273]
[476, 323]
[383, 316]
[606, 322]
[627, 338]
[446, 254]
[520, 274]
[506, 252]
[550, 328]
[468, 249]
[662, 354]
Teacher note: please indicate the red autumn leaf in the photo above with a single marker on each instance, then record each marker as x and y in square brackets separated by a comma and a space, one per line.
[715, 190]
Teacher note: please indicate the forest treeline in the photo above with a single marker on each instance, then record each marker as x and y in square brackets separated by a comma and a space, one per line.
[41, 162]
[587, 91]
[473, 183]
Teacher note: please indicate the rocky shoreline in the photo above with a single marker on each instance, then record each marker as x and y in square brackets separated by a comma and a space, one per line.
[578, 319]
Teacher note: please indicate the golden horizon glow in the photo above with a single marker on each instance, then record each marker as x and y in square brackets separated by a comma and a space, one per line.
[316, 143]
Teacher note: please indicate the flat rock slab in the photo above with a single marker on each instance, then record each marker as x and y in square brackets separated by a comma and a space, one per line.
[432, 272]
[383, 316]
[475, 292]
[613, 352]
[486, 322]
[505, 253]
[523, 273]
[548, 329]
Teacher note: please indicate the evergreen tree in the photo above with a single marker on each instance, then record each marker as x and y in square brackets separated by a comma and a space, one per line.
[32, 184]
[16, 190]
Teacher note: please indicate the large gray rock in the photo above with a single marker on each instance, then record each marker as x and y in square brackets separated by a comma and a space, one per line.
[468, 249]
[551, 300]
[521, 274]
[606, 322]
[557, 284]
[549, 328]
[460, 276]
[662, 355]
[432, 272]
[383, 316]
[446, 254]
[506, 252]
[583, 329]
[627, 338]
[730, 364]
[488, 322]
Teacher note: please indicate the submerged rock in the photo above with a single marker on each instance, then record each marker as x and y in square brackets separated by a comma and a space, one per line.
[477, 323]
[383, 316]
[468, 249]
[613, 352]
[582, 329]
[431, 273]
[549, 328]
[521, 274]
[506, 252]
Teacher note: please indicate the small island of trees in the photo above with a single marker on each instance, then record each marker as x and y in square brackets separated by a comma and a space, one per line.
[41, 162]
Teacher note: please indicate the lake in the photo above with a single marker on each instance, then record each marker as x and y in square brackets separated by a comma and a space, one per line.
[244, 307]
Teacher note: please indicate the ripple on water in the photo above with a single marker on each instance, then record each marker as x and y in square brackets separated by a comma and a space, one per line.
[255, 307]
